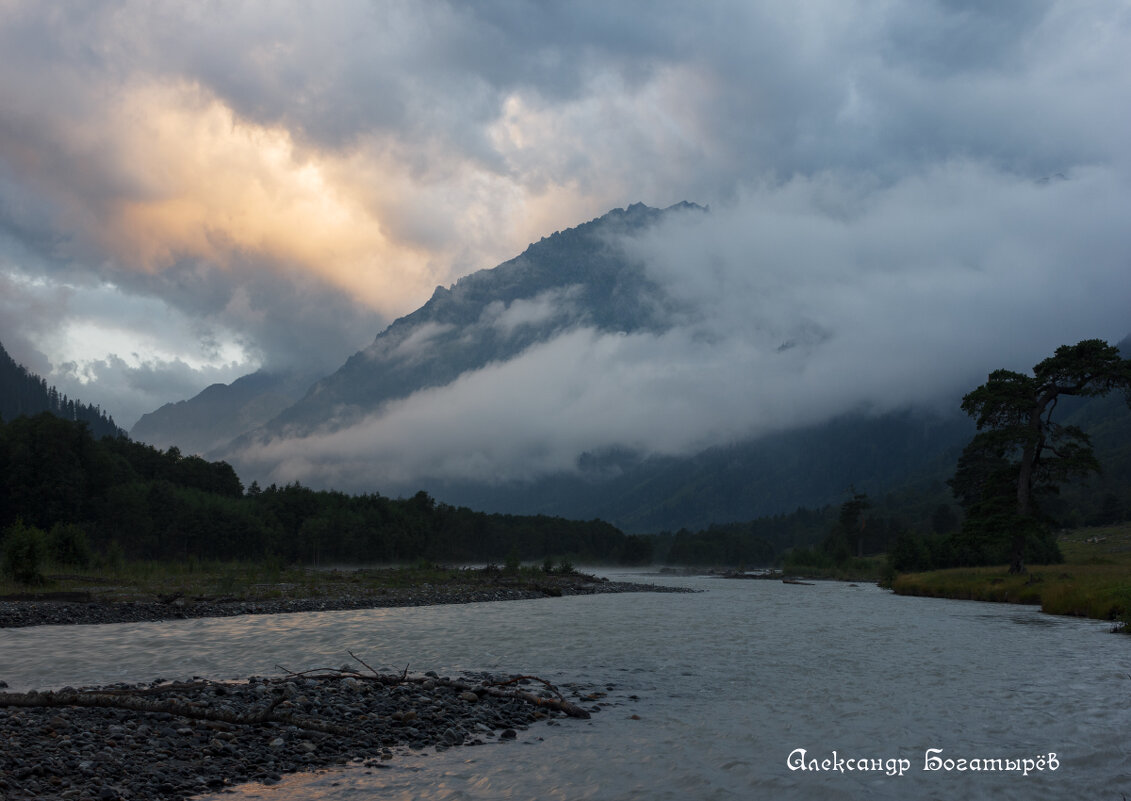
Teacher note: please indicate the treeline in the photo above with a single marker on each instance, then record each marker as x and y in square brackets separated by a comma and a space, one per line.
[25, 393]
[754, 543]
[133, 501]
[822, 538]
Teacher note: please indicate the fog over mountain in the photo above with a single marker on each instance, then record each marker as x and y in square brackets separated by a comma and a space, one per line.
[799, 305]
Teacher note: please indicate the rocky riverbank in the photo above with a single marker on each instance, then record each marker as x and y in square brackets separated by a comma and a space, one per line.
[18, 613]
[178, 740]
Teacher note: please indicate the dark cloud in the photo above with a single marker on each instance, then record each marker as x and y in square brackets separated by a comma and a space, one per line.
[282, 180]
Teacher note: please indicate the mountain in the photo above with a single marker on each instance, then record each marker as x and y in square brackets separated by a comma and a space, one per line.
[25, 393]
[498, 331]
[221, 412]
[810, 467]
[571, 278]
[581, 278]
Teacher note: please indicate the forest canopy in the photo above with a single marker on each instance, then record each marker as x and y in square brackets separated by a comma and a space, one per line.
[143, 503]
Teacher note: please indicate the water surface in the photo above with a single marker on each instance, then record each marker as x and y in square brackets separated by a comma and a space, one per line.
[727, 683]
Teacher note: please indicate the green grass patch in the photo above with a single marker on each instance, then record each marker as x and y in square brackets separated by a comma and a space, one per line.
[1093, 582]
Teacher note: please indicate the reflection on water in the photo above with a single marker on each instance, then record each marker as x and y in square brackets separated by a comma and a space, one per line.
[726, 683]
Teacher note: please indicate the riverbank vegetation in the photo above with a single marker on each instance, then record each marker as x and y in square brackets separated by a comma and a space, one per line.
[1093, 581]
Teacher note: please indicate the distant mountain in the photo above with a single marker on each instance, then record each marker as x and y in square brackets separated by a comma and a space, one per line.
[570, 278]
[25, 393]
[810, 467]
[221, 412]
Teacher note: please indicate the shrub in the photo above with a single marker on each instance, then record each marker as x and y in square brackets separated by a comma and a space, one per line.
[800, 558]
[909, 554]
[115, 558]
[67, 545]
[25, 550]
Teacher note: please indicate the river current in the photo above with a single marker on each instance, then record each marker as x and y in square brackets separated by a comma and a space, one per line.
[708, 694]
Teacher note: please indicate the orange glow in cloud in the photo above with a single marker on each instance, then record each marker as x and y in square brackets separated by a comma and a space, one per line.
[168, 172]
[203, 184]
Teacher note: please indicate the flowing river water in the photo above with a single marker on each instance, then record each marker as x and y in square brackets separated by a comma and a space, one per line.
[710, 693]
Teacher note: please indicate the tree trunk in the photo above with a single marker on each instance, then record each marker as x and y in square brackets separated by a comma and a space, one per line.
[1029, 455]
[1017, 566]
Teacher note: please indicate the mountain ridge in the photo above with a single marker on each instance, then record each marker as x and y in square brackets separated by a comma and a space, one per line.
[221, 412]
[508, 307]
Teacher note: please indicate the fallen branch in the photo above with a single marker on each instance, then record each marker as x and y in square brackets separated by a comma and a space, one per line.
[559, 704]
[362, 661]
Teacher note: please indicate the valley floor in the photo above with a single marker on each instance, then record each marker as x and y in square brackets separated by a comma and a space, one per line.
[73, 600]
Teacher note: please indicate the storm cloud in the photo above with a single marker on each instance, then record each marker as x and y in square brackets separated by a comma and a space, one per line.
[904, 195]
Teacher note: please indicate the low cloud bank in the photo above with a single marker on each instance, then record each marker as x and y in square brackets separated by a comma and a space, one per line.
[804, 301]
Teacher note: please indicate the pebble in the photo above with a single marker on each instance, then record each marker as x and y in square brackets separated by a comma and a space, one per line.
[108, 754]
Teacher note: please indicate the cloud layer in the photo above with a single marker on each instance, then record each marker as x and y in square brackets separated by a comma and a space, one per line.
[906, 295]
[236, 185]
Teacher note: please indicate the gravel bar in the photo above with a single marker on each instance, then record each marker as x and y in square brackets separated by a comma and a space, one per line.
[16, 614]
[105, 754]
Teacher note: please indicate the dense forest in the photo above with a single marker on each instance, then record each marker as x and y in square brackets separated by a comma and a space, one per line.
[132, 501]
[25, 393]
[123, 499]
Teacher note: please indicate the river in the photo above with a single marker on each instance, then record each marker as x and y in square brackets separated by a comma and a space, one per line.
[708, 694]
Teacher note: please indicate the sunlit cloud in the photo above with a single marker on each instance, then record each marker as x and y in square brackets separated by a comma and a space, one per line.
[197, 182]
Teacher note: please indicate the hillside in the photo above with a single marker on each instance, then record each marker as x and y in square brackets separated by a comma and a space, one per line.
[25, 394]
[571, 278]
[221, 412]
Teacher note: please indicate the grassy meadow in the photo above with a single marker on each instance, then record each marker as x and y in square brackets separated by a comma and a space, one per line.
[1094, 581]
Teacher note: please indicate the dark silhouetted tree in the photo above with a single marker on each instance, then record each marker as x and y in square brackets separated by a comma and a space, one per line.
[1021, 453]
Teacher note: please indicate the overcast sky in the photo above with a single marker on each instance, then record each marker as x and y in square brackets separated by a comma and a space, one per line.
[910, 193]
